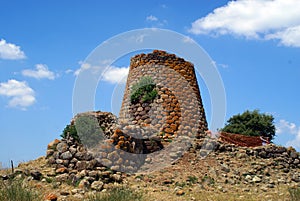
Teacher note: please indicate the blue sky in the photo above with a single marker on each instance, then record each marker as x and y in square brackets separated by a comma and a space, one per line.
[43, 44]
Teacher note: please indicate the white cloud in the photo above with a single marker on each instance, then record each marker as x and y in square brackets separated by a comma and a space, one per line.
[112, 75]
[115, 75]
[187, 39]
[68, 71]
[155, 22]
[288, 37]
[83, 66]
[223, 65]
[20, 94]
[41, 72]
[219, 64]
[285, 127]
[257, 19]
[10, 51]
[151, 18]
[140, 38]
[93, 68]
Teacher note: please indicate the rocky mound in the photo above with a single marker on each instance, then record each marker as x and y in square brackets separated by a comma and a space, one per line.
[263, 173]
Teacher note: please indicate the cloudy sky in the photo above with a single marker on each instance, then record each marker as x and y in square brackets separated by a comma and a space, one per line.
[255, 44]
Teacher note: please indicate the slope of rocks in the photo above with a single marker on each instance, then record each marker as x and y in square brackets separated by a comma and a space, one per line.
[70, 171]
[263, 172]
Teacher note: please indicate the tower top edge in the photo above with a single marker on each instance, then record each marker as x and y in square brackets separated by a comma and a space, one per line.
[157, 56]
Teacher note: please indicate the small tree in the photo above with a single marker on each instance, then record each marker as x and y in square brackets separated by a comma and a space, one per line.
[89, 131]
[70, 131]
[86, 131]
[251, 123]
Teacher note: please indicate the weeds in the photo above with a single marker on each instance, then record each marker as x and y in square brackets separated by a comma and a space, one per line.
[180, 184]
[14, 190]
[192, 179]
[144, 90]
[117, 194]
[209, 180]
[294, 193]
[48, 180]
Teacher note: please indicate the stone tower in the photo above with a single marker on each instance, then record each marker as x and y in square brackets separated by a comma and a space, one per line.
[160, 117]
[177, 108]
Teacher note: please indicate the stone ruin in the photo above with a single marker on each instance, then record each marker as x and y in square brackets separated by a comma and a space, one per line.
[150, 133]
[178, 107]
[154, 132]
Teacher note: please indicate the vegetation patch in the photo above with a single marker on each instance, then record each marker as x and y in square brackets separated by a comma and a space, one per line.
[86, 131]
[251, 123]
[208, 180]
[192, 179]
[70, 131]
[117, 194]
[294, 194]
[144, 90]
[15, 190]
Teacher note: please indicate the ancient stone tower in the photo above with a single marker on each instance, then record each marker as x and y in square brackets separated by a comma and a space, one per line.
[160, 117]
[172, 106]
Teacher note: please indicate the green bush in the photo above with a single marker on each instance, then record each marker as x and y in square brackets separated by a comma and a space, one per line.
[13, 190]
[89, 131]
[148, 97]
[143, 90]
[118, 194]
[251, 123]
[294, 194]
[70, 130]
[86, 131]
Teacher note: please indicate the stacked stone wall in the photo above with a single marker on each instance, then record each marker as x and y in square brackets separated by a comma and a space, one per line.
[178, 108]
[150, 133]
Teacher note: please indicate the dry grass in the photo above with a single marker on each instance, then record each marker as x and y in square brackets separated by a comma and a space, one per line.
[294, 194]
[16, 190]
[117, 194]
[150, 187]
[218, 196]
